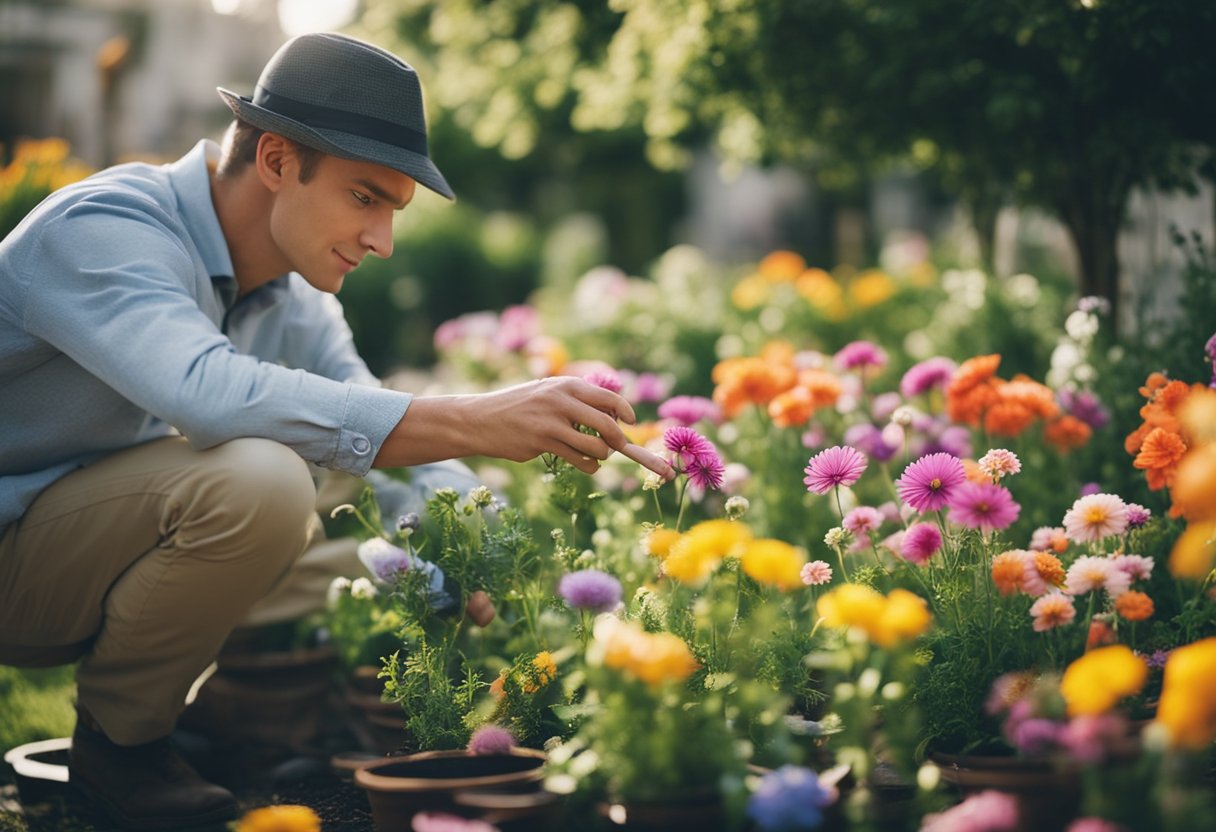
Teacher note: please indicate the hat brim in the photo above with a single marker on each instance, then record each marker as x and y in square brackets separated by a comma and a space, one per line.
[337, 143]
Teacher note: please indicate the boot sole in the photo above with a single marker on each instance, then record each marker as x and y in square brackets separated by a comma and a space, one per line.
[209, 821]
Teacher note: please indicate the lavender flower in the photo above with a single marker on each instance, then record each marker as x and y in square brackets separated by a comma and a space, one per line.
[590, 589]
[491, 739]
[383, 559]
[1086, 406]
[790, 798]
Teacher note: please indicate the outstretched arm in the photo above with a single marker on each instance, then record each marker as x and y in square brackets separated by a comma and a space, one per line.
[518, 423]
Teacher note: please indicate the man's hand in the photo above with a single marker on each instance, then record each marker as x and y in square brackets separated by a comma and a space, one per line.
[520, 423]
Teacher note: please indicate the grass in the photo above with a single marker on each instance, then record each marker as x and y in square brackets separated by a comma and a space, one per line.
[36, 704]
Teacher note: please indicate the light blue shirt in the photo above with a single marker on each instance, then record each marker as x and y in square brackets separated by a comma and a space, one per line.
[119, 323]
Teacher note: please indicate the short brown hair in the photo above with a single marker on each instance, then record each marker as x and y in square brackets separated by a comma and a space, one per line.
[241, 148]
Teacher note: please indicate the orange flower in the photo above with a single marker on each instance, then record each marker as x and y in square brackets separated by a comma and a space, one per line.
[660, 540]
[1018, 404]
[1134, 605]
[781, 266]
[745, 381]
[1159, 455]
[1008, 571]
[824, 387]
[1194, 551]
[1049, 567]
[1067, 432]
[792, 408]
[973, 389]
[1194, 487]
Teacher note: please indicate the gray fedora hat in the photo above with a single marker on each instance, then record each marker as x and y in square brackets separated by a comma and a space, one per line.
[347, 98]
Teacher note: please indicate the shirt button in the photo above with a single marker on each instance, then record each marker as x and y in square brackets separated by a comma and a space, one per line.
[361, 445]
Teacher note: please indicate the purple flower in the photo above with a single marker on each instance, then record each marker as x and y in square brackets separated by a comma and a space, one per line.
[953, 439]
[983, 505]
[920, 542]
[1137, 515]
[383, 559]
[1085, 406]
[1036, 735]
[1090, 738]
[608, 379]
[706, 470]
[860, 354]
[686, 444]
[491, 739]
[688, 410]
[590, 589]
[884, 405]
[927, 375]
[789, 798]
[1090, 488]
[869, 440]
[836, 466]
[929, 482]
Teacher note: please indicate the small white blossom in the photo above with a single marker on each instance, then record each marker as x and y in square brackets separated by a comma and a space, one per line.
[363, 589]
[652, 482]
[481, 496]
[836, 537]
[338, 587]
[903, 416]
[737, 506]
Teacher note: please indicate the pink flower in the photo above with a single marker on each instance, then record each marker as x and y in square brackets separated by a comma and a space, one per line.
[608, 379]
[920, 542]
[688, 410]
[1137, 567]
[491, 739]
[1090, 738]
[1137, 515]
[861, 354]
[443, 822]
[1052, 610]
[929, 482]
[706, 470]
[987, 811]
[1094, 517]
[983, 505]
[928, 374]
[1089, 573]
[686, 444]
[1094, 825]
[836, 466]
[999, 463]
[862, 520]
[816, 573]
[1045, 538]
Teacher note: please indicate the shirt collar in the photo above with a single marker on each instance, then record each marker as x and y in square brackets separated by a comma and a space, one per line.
[192, 183]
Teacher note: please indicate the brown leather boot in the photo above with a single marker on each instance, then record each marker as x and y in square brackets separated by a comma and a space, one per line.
[145, 786]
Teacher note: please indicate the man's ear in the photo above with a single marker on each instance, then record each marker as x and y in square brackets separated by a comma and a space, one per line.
[272, 154]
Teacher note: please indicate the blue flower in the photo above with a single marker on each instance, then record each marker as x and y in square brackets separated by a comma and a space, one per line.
[790, 798]
[590, 589]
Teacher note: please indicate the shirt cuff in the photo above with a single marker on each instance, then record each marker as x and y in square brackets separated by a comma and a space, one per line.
[371, 414]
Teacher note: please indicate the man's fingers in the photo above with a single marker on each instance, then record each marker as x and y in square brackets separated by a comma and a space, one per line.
[649, 460]
[583, 462]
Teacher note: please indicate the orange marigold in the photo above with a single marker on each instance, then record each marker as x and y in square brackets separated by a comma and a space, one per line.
[1194, 487]
[824, 387]
[1067, 432]
[752, 381]
[1049, 567]
[1159, 455]
[1008, 571]
[781, 266]
[1007, 417]
[792, 408]
[1134, 605]
[973, 389]
[972, 373]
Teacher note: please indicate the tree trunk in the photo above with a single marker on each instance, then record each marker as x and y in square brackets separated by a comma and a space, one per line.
[1093, 216]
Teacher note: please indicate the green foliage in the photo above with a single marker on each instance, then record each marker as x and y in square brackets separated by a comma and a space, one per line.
[437, 700]
[37, 704]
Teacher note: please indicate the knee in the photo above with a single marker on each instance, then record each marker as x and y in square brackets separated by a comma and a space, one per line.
[261, 490]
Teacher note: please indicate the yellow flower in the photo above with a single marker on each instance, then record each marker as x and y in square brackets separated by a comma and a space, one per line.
[1194, 551]
[660, 541]
[1188, 695]
[781, 266]
[821, 292]
[1194, 487]
[1094, 683]
[871, 288]
[773, 562]
[697, 553]
[654, 658]
[546, 671]
[1198, 415]
[750, 292]
[851, 605]
[285, 818]
[905, 616]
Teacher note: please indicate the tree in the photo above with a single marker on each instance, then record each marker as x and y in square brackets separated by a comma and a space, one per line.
[1062, 104]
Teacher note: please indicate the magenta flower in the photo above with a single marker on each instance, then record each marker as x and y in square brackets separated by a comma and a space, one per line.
[706, 471]
[983, 505]
[860, 354]
[686, 444]
[648, 388]
[863, 520]
[920, 542]
[927, 375]
[491, 739]
[987, 811]
[688, 410]
[517, 325]
[608, 379]
[1137, 515]
[590, 589]
[445, 822]
[1094, 825]
[836, 466]
[929, 482]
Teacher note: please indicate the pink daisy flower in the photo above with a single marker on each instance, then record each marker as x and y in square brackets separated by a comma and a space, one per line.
[816, 573]
[1094, 517]
[927, 375]
[860, 354]
[920, 542]
[929, 482]
[1089, 573]
[999, 463]
[863, 520]
[706, 470]
[608, 379]
[1046, 538]
[986, 811]
[686, 444]
[688, 410]
[836, 466]
[1137, 567]
[1052, 610]
[983, 505]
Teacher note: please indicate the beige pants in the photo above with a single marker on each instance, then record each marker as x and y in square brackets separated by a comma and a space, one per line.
[141, 564]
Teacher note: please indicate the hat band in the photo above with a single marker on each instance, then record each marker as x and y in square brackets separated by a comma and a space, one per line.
[330, 118]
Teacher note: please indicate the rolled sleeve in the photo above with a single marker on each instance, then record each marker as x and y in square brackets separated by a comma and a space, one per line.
[371, 414]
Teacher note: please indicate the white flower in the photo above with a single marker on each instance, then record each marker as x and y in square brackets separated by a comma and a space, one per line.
[1081, 326]
[737, 506]
[903, 416]
[363, 589]
[337, 588]
[836, 537]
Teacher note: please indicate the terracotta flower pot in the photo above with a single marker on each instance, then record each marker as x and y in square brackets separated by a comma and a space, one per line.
[444, 781]
[1048, 794]
[379, 726]
[694, 811]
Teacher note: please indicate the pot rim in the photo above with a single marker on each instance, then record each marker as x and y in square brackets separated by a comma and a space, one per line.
[366, 776]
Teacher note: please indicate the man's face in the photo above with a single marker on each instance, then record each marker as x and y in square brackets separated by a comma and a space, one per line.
[327, 225]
